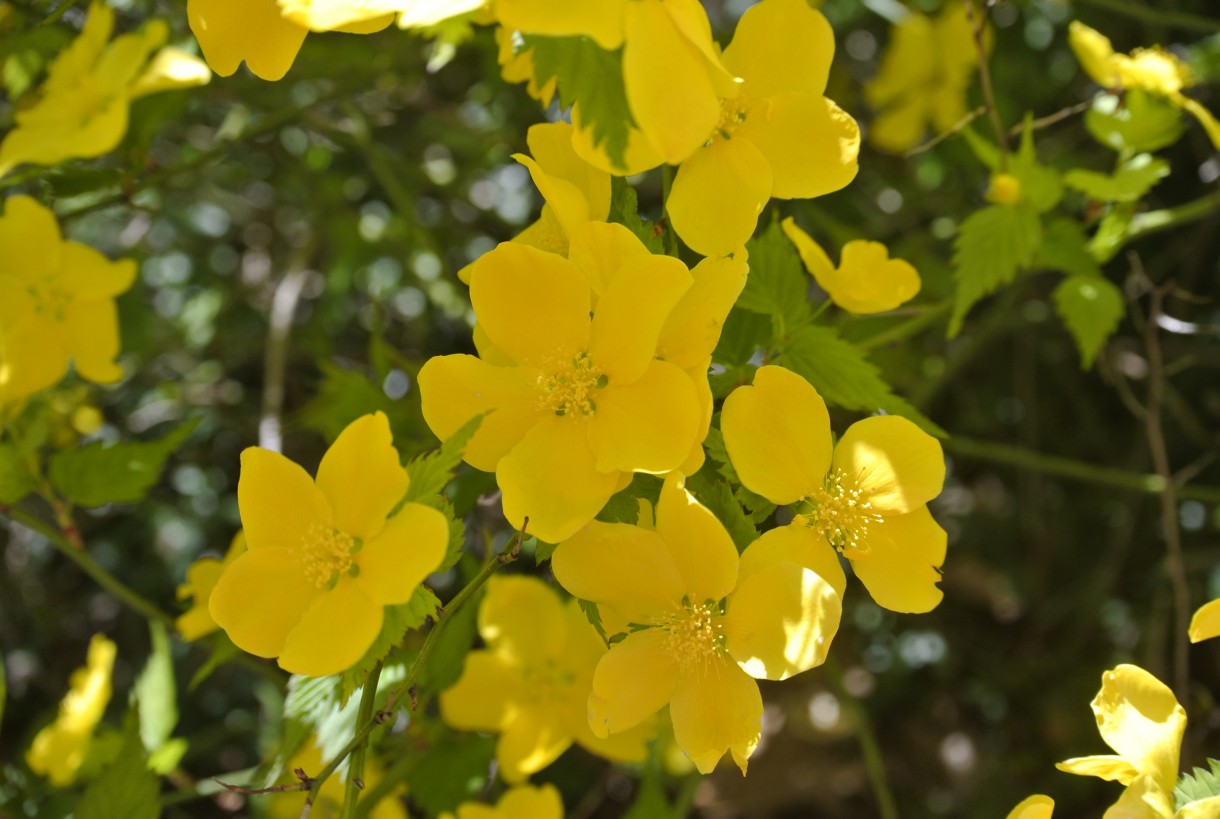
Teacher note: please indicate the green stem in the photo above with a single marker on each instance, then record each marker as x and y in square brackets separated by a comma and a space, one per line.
[904, 330]
[355, 769]
[90, 566]
[1075, 470]
[874, 762]
[1157, 14]
[1157, 220]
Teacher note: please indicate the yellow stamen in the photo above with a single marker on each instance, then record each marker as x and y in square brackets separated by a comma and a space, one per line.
[325, 553]
[732, 114]
[50, 300]
[569, 387]
[694, 636]
[841, 512]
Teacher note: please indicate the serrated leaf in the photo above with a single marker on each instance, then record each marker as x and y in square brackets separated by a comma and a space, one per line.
[1040, 185]
[1091, 307]
[991, 246]
[342, 397]
[587, 74]
[759, 507]
[155, 694]
[777, 285]
[594, 616]
[15, 480]
[625, 210]
[455, 768]
[1139, 121]
[457, 538]
[744, 333]
[398, 621]
[126, 788]
[94, 475]
[715, 493]
[1197, 785]
[713, 444]
[1128, 184]
[431, 471]
[621, 508]
[841, 373]
[1066, 248]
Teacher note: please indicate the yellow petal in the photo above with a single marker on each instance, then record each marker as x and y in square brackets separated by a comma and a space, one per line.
[260, 598]
[522, 619]
[567, 202]
[77, 60]
[632, 682]
[278, 500]
[361, 476]
[409, 548]
[526, 802]
[690, 18]
[33, 247]
[533, 739]
[354, 16]
[1138, 716]
[900, 566]
[602, 250]
[640, 155]
[626, 746]
[455, 388]
[230, 31]
[795, 544]
[810, 143]
[781, 46]
[333, 633]
[90, 275]
[677, 115]
[93, 339]
[1202, 809]
[1096, 55]
[631, 313]
[703, 392]
[1205, 117]
[483, 698]
[1206, 622]
[701, 548]
[813, 256]
[550, 477]
[648, 425]
[777, 434]
[1144, 799]
[423, 13]
[780, 621]
[716, 710]
[718, 194]
[898, 466]
[692, 329]
[901, 126]
[626, 567]
[201, 578]
[170, 69]
[36, 356]
[601, 20]
[1109, 768]
[545, 234]
[533, 305]
[1033, 807]
[869, 281]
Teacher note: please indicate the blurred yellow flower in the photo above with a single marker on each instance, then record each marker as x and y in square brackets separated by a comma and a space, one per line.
[81, 108]
[698, 624]
[1206, 622]
[1004, 189]
[324, 556]
[865, 499]
[521, 802]
[1150, 69]
[59, 749]
[56, 303]
[531, 685]
[1037, 806]
[866, 281]
[575, 399]
[201, 578]
[329, 804]
[923, 79]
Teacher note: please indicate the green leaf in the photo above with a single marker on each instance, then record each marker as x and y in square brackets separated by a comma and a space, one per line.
[309, 703]
[592, 77]
[713, 444]
[715, 493]
[594, 616]
[1091, 307]
[15, 480]
[1139, 121]
[1197, 785]
[126, 788]
[1040, 185]
[457, 538]
[991, 246]
[625, 210]
[398, 621]
[842, 375]
[778, 284]
[452, 771]
[343, 396]
[744, 333]
[759, 507]
[95, 474]
[155, 693]
[624, 506]
[431, 471]
[1128, 184]
[1065, 247]
[448, 655]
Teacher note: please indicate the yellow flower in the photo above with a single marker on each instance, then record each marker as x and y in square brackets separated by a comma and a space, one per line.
[1138, 716]
[361, 16]
[575, 191]
[923, 78]
[521, 802]
[81, 109]
[866, 281]
[866, 499]
[575, 399]
[1206, 623]
[1150, 69]
[1037, 806]
[779, 138]
[700, 623]
[329, 804]
[201, 578]
[532, 683]
[263, 34]
[59, 749]
[324, 556]
[1005, 189]
[56, 303]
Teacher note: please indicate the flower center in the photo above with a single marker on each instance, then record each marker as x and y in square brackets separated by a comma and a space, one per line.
[548, 683]
[841, 512]
[325, 553]
[568, 389]
[50, 300]
[732, 114]
[694, 636]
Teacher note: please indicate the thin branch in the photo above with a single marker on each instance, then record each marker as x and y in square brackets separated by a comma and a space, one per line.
[978, 25]
[355, 769]
[903, 330]
[1050, 119]
[941, 137]
[1154, 221]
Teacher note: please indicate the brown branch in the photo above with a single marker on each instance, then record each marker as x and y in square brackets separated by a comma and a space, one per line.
[978, 25]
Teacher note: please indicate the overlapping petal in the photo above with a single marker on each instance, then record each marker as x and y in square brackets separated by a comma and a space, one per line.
[717, 195]
[895, 463]
[361, 477]
[333, 633]
[635, 679]
[230, 31]
[697, 542]
[781, 46]
[810, 144]
[795, 544]
[648, 425]
[407, 549]
[631, 312]
[523, 620]
[484, 696]
[261, 598]
[693, 327]
[624, 566]
[901, 559]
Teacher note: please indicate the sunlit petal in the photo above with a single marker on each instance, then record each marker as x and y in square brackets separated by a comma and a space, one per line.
[898, 466]
[718, 194]
[715, 710]
[633, 681]
[361, 476]
[900, 562]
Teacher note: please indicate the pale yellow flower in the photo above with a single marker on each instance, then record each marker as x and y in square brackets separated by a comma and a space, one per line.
[866, 281]
[59, 749]
[201, 578]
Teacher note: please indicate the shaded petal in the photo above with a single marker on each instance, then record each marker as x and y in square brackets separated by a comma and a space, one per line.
[811, 144]
[201, 578]
[335, 631]
[1206, 622]
[566, 201]
[692, 329]
[718, 194]
[781, 46]
[703, 391]
[623, 566]
[1144, 798]
[777, 433]
[601, 20]
[631, 313]
[1200, 809]
[279, 502]
[648, 425]
[455, 388]
[533, 305]
[1138, 716]
[35, 356]
[533, 739]
[780, 621]
[630, 745]
[260, 598]
[484, 697]
[1037, 806]
[902, 125]
[523, 620]
[230, 31]
[170, 68]
[897, 465]
[30, 237]
[542, 802]
[1109, 768]
[690, 18]
[812, 255]
[409, 548]
[869, 281]
[632, 682]
[545, 234]
[900, 563]
[640, 155]
[602, 249]
[1095, 53]
[361, 476]
[550, 477]
[88, 274]
[701, 548]
[92, 329]
[795, 544]
[717, 710]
